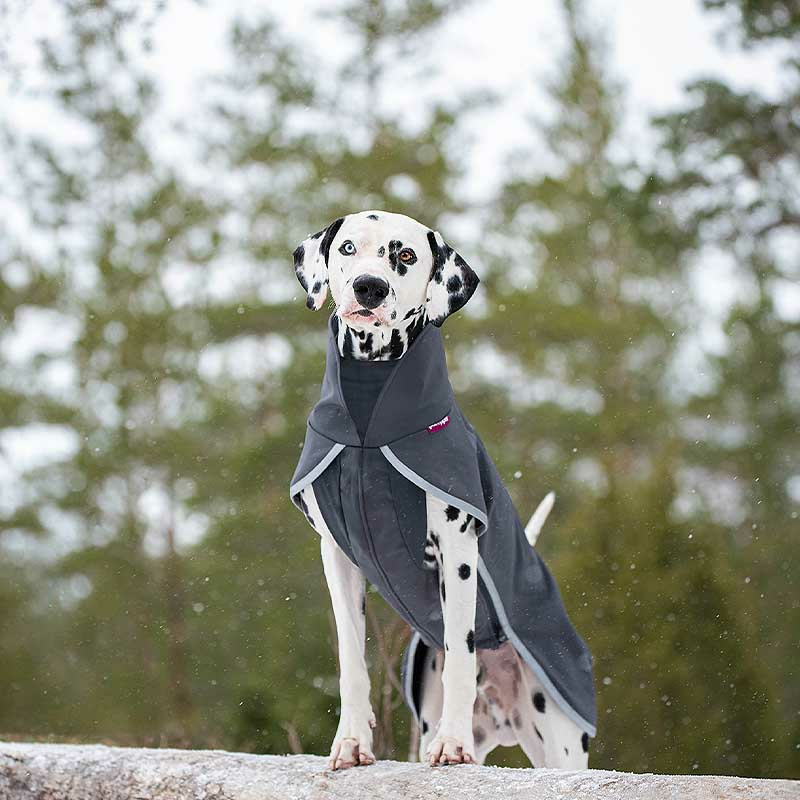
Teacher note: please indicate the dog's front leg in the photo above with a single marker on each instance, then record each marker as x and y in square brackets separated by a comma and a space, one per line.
[352, 745]
[455, 544]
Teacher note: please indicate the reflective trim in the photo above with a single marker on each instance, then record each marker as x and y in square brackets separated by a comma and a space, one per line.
[483, 570]
[310, 477]
[408, 683]
[409, 473]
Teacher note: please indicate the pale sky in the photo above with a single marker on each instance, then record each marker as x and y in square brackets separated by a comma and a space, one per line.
[504, 45]
[508, 46]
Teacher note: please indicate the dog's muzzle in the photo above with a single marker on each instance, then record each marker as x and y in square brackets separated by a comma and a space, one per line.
[370, 291]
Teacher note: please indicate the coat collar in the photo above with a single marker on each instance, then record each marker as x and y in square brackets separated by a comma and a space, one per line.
[417, 394]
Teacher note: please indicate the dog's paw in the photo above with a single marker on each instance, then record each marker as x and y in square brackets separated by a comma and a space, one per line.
[352, 746]
[450, 750]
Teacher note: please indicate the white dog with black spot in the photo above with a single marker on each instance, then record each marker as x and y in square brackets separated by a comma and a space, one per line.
[479, 673]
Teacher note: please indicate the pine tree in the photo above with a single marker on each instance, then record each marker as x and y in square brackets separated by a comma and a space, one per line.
[730, 160]
[590, 344]
[118, 664]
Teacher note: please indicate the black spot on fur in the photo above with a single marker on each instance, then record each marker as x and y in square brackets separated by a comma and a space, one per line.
[479, 734]
[465, 524]
[381, 251]
[434, 538]
[372, 216]
[393, 315]
[459, 298]
[454, 284]
[585, 742]
[309, 302]
[464, 572]
[439, 257]
[299, 256]
[304, 509]
[395, 246]
[366, 345]
[433, 664]
[330, 235]
[364, 605]
[471, 641]
[414, 329]
[317, 234]
[441, 589]
[566, 751]
[395, 347]
[538, 702]
[517, 718]
[538, 733]
[451, 512]
[347, 346]
[424, 727]
[317, 286]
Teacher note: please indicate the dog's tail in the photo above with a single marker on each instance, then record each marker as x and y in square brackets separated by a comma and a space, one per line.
[534, 526]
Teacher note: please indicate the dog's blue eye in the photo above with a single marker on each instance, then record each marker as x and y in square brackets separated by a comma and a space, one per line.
[347, 248]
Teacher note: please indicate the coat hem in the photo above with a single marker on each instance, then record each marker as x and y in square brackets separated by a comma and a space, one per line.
[583, 724]
[445, 497]
[483, 570]
[311, 476]
[411, 652]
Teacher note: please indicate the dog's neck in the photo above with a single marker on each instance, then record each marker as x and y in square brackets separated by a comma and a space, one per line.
[381, 343]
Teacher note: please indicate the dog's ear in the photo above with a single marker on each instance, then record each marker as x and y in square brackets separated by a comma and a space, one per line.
[452, 281]
[311, 264]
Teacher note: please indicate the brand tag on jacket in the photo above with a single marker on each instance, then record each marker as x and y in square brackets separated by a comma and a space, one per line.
[437, 426]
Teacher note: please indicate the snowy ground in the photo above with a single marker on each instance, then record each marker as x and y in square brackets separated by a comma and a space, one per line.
[91, 772]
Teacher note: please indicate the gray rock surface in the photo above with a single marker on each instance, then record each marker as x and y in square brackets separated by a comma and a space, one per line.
[95, 772]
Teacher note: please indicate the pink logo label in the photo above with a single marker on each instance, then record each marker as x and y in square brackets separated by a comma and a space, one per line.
[437, 426]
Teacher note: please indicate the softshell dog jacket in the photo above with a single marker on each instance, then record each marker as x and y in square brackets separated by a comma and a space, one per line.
[383, 434]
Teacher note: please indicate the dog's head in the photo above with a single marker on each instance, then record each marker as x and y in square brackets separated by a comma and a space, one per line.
[382, 270]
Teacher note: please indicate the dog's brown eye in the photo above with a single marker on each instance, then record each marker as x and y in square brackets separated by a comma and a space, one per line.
[347, 248]
[407, 256]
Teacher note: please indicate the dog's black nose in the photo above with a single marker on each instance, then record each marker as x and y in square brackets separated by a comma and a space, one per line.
[370, 291]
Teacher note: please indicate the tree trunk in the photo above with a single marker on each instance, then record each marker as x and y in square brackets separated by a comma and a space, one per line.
[95, 772]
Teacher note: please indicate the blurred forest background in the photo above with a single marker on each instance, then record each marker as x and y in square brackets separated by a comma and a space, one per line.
[156, 585]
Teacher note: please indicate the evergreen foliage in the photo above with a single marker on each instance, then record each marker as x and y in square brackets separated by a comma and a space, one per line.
[157, 586]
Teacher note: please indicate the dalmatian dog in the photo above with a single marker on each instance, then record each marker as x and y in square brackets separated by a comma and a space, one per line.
[389, 277]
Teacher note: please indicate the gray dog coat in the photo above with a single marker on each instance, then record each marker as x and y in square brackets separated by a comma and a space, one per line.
[381, 436]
